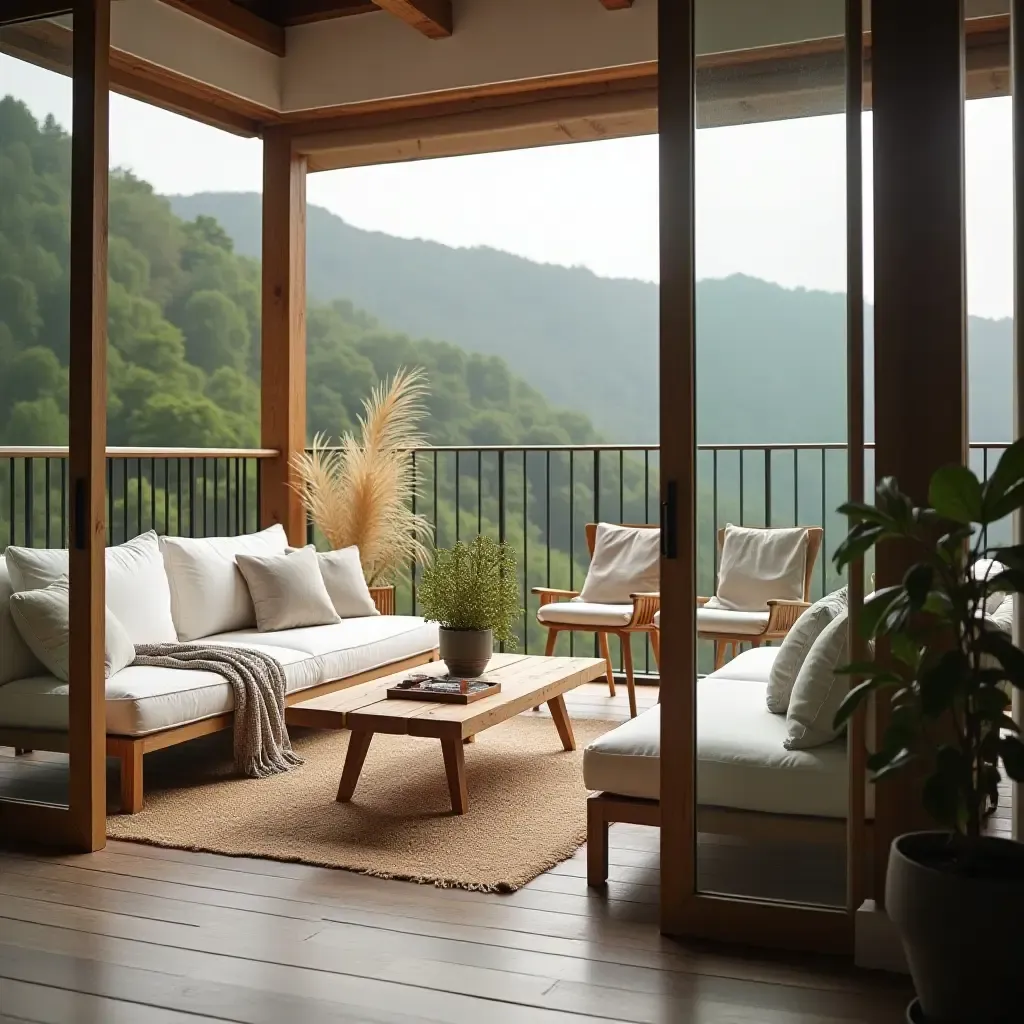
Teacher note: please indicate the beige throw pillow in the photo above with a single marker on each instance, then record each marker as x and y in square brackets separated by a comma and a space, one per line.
[818, 691]
[287, 590]
[796, 646]
[758, 566]
[626, 561]
[43, 619]
[343, 576]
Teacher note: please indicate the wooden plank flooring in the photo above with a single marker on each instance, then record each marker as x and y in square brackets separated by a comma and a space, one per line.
[147, 935]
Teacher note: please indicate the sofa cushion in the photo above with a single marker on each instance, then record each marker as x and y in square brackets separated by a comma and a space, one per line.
[287, 590]
[208, 592]
[818, 690]
[138, 592]
[16, 659]
[584, 613]
[43, 617]
[741, 762]
[720, 620]
[142, 700]
[343, 576]
[758, 566]
[626, 560]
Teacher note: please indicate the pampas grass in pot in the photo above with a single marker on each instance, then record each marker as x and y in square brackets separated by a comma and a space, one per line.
[360, 492]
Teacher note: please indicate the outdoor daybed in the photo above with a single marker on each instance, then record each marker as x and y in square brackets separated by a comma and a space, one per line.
[748, 783]
[187, 590]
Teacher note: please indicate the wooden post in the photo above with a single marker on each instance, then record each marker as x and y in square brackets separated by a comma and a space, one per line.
[920, 318]
[283, 406]
[87, 420]
[677, 125]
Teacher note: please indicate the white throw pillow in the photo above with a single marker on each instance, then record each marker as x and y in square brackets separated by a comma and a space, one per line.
[984, 569]
[796, 646]
[758, 566]
[43, 619]
[818, 691]
[287, 590]
[343, 576]
[16, 659]
[138, 592]
[626, 561]
[208, 591]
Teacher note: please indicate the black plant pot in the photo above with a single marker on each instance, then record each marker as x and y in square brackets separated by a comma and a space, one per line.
[466, 652]
[962, 929]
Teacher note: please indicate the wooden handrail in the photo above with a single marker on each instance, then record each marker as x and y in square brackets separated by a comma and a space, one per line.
[48, 452]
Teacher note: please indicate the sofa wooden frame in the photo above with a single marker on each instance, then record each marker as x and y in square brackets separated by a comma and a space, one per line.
[129, 750]
[645, 607]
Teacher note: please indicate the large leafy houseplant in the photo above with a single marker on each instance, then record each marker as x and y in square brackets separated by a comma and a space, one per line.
[471, 591]
[948, 671]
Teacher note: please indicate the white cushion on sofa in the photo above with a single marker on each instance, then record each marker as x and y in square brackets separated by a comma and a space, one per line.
[43, 617]
[343, 576]
[797, 644]
[208, 591]
[138, 592]
[758, 566]
[287, 590]
[721, 620]
[142, 700]
[818, 691]
[16, 659]
[626, 560]
[584, 613]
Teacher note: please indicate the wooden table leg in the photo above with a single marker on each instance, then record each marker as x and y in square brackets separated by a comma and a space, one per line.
[455, 769]
[358, 745]
[561, 717]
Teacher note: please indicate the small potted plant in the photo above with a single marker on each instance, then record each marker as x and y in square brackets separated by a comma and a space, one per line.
[956, 895]
[472, 593]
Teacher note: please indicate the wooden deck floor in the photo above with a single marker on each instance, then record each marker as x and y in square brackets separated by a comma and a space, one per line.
[147, 936]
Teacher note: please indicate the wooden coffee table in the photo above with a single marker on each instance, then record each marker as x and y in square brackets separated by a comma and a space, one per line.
[526, 681]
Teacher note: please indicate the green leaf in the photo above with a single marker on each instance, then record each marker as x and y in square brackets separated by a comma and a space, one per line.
[1012, 556]
[1007, 581]
[940, 684]
[877, 606]
[990, 703]
[859, 694]
[918, 583]
[905, 649]
[893, 764]
[1007, 475]
[862, 668]
[862, 513]
[955, 493]
[1010, 656]
[894, 503]
[944, 789]
[859, 540]
[938, 603]
[1011, 750]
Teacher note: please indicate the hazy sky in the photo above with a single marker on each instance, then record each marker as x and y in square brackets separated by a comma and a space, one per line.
[769, 196]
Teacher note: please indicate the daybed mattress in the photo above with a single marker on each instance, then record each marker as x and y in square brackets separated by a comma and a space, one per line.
[143, 700]
[741, 762]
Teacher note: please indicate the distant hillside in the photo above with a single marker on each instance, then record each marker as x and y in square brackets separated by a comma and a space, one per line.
[771, 361]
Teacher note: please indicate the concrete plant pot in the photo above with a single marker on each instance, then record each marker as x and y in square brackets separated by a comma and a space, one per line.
[962, 931]
[466, 652]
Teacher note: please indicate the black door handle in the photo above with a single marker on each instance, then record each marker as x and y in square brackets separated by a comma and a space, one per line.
[669, 545]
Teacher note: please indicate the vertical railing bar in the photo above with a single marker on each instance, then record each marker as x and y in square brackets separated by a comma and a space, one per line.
[796, 487]
[46, 501]
[572, 533]
[238, 496]
[714, 515]
[622, 484]
[64, 502]
[502, 511]
[152, 493]
[110, 500]
[767, 487]
[526, 583]
[12, 501]
[191, 497]
[138, 488]
[124, 498]
[258, 468]
[547, 513]
[28, 498]
[245, 496]
[984, 476]
[823, 554]
[597, 519]
[647, 485]
[216, 497]
[479, 491]
[741, 486]
[436, 523]
[206, 498]
[458, 496]
[412, 564]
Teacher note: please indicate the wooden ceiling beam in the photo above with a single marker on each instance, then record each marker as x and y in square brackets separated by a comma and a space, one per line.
[235, 21]
[431, 17]
[13, 11]
[616, 5]
[306, 12]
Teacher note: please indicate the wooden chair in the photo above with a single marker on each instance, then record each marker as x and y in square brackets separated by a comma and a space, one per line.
[781, 614]
[612, 620]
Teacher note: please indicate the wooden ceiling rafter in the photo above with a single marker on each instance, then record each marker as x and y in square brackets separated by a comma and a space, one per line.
[431, 17]
[237, 21]
[616, 5]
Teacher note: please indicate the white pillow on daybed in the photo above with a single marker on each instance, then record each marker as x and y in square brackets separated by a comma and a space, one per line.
[16, 659]
[138, 592]
[208, 591]
[797, 644]
[818, 691]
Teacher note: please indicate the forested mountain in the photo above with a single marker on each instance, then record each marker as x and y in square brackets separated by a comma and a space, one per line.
[771, 361]
[184, 327]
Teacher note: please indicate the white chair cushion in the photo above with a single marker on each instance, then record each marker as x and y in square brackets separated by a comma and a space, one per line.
[584, 613]
[722, 620]
[741, 762]
[626, 561]
[16, 659]
[818, 691]
[657, 619]
[43, 617]
[138, 592]
[796, 645]
[287, 590]
[208, 592]
[142, 700]
[758, 566]
[343, 576]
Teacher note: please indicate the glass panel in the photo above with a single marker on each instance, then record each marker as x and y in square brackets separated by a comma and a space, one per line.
[35, 184]
[771, 336]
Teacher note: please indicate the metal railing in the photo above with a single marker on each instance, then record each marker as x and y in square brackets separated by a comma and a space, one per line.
[188, 492]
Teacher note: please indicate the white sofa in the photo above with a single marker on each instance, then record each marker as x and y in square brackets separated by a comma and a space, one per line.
[150, 708]
[747, 782]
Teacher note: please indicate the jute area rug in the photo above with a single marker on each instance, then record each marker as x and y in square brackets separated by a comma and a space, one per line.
[527, 806]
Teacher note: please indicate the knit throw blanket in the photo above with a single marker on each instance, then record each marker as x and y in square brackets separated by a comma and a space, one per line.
[262, 747]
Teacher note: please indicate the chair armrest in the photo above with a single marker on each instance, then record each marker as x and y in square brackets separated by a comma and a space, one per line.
[549, 595]
[701, 601]
[782, 615]
[645, 606]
